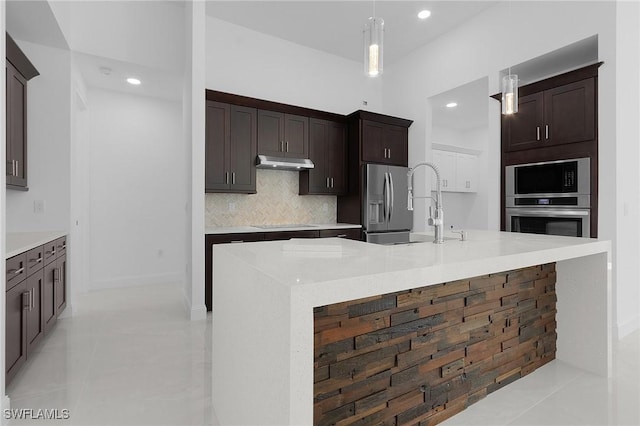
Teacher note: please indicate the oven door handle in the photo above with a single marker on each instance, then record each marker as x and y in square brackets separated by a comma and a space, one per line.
[544, 212]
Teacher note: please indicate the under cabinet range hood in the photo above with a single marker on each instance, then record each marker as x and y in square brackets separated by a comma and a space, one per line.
[282, 163]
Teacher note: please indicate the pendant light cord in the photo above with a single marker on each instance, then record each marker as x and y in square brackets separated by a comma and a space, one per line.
[509, 19]
[374, 9]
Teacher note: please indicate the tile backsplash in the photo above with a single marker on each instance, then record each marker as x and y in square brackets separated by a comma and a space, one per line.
[277, 202]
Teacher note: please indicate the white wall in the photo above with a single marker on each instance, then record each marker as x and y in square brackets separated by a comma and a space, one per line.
[466, 210]
[194, 139]
[245, 62]
[479, 49]
[48, 135]
[136, 196]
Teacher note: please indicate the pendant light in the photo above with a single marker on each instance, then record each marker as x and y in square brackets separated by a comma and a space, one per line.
[510, 93]
[509, 88]
[373, 39]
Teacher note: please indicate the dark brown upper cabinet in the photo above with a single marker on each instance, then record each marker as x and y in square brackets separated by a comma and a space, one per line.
[560, 115]
[19, 70]
[327, 150]
[384, 143]
[231, 146]
[283, 135]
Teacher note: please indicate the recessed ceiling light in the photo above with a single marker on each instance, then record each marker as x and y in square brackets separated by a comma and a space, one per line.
[424, 14]
[133, 81]
[105, 70]
[451, 105]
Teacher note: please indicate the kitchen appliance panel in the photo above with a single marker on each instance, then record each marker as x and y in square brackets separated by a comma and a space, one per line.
[375, 198]
[400, 218]
[566, 222]
[551, 177]
[385, 202]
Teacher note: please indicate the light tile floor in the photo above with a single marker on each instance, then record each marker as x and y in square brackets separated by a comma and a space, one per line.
[130, 357]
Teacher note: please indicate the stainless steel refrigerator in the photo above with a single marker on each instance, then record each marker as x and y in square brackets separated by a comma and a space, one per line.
[386, 219]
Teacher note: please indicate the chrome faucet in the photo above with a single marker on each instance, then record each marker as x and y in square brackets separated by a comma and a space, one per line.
[437, 220]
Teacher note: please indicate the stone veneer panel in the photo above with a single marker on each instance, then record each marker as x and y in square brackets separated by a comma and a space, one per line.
[276, 202]
[418, 357]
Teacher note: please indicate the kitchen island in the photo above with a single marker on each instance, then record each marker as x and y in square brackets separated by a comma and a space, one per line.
[269, 335]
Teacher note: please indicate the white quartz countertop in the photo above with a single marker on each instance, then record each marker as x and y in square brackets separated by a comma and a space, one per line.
[324, 266]
[279, 228]
[19, 242]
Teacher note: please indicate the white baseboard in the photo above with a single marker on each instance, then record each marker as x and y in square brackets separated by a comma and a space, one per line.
[136, 280]
[195, 313]
[627, 327]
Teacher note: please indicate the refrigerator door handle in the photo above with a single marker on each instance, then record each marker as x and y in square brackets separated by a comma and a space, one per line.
[386, 198]
[392, 201]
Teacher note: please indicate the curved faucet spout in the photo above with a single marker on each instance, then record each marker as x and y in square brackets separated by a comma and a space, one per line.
[437, 220]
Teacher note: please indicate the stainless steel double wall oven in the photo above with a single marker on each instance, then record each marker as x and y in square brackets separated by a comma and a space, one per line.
[551, 197]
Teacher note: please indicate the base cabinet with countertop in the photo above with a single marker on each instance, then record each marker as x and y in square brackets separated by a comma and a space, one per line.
[352, 232]
[36, 294]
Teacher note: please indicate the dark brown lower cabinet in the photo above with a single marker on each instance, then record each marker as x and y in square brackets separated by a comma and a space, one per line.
[49, 297]
[15, 329]
[34, 302]
[35, 320]
[211, 239]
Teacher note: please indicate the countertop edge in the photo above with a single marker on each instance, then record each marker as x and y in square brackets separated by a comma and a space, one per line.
[20, 242]
[252, 229]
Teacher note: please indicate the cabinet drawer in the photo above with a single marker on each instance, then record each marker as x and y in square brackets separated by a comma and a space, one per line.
[234, 238]
[35, 260]
[50, 252]
[61, 246]
[286, 235]
[351, 234]
[16, 270]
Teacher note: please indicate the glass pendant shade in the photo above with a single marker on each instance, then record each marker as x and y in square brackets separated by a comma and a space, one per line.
[373, 39]
[510, 94]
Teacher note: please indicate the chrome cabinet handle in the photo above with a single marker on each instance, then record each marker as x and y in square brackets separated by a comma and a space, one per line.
[327, 182]
[546, 131]
[537, 133]
[38, 260]
[287, 146]
[16, 271]
[341, 236]
[226, 178]
[332, 182]
[17, 168]
[32, 304]
[56, 275]
[389, 157]
[233, 178]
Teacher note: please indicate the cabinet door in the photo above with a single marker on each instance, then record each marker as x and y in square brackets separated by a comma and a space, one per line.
[446, 163]
[337, 158]
[466, 173]
[373, 147]
[524, 129]
[16, 128]
[60, 281]
[296, 136]
[15, 329]
[243, 149]
[270, 133]
[569, 112]
[396, 140]
[318, 177]
[48, 297]
[217, 147]
[35, 321]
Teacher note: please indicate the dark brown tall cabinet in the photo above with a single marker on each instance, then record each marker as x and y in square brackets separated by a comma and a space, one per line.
[557, 119]
[327, 150]
[36, 294]
[372, 138]
[230, 152]
[18, 71]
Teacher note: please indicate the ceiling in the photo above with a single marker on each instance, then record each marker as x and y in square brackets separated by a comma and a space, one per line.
[336, 26]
